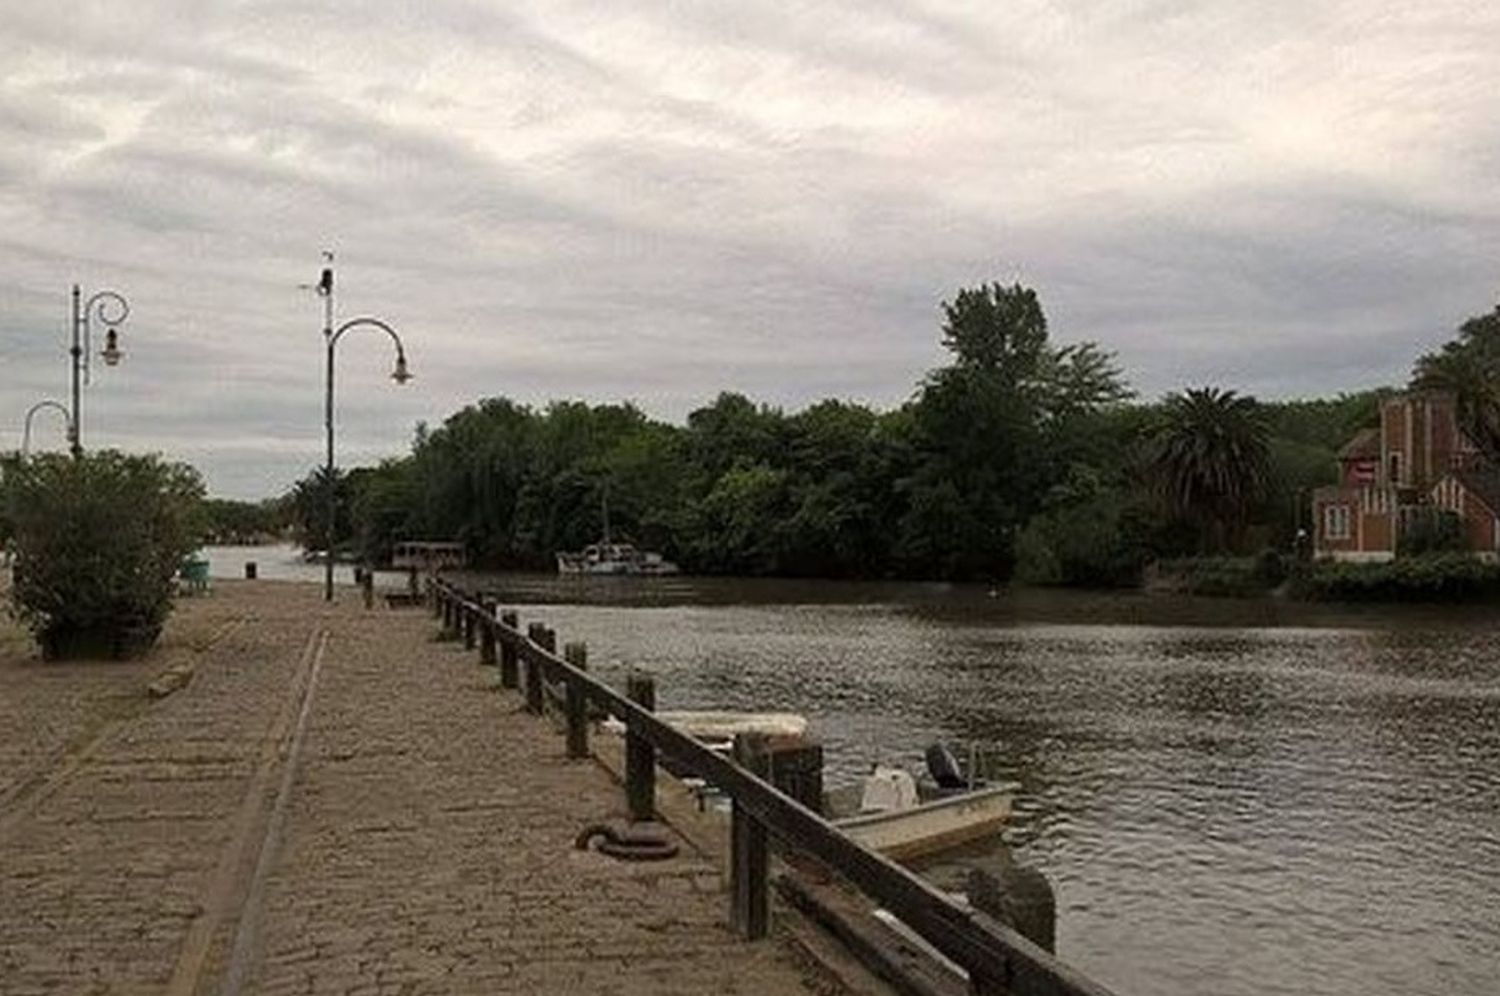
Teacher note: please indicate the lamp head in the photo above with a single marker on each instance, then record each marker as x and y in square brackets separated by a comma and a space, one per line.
[402, 375]
[111, 351]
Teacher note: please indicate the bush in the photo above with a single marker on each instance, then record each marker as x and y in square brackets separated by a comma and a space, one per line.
[98, 543]
[1431, 530]
[1445, 577]
[1224, 577]
[1096, 543]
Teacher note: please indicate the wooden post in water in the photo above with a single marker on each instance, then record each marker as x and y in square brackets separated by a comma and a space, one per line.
[640, 756]
[508, 677]
[367, 588]
[467, 611]
[534, 671]
[448, 616]
[577, 654]
[487, 633]
[749, 909]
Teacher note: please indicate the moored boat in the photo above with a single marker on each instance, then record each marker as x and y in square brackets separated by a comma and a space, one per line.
[905, 820]
[924, 828]
[614, 559]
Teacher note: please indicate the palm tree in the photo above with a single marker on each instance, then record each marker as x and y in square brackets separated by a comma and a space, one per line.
[1209, 460]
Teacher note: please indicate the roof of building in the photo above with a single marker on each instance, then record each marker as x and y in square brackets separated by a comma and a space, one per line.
[1483, 483]
[1364, 446]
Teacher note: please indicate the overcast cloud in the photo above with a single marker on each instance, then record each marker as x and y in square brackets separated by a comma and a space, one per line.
[657, 201]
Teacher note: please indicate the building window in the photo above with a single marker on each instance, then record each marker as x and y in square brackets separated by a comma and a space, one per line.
[1336, 522]
[1395, 469]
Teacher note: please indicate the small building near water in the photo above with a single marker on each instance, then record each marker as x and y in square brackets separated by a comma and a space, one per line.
[1417, 466]
[428, 556]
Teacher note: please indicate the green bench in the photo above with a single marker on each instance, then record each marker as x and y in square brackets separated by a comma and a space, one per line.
[192, 577]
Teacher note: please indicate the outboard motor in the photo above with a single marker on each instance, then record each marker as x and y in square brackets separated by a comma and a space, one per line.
[944, 769]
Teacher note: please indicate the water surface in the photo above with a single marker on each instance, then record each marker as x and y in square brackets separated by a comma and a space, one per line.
[1230, 797]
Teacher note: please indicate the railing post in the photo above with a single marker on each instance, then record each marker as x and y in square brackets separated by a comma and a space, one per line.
[534, 671]
[434, 598]
[449, 621]
[640, 756]
[749, 910]
[466, 610]
[487, 633]
[577, 654]
[508, 678]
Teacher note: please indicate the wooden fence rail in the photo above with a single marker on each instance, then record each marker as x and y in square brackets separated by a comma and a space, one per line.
[998, 959]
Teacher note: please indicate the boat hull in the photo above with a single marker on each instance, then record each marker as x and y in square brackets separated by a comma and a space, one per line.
[932, 827]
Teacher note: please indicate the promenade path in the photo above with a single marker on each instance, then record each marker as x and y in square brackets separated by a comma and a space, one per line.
[334, 804]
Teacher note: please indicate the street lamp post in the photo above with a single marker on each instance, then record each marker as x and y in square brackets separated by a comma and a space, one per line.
[400, 375]
[30, 412]
[112, 309]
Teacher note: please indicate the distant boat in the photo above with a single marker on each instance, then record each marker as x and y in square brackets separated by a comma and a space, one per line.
[614, 558]
[608, 557]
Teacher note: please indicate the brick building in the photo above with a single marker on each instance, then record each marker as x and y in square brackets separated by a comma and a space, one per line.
[1416, 463]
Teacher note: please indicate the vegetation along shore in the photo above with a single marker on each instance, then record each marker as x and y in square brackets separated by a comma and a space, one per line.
[1021, 460]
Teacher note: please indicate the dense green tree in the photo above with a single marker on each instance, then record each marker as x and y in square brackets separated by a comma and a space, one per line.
[1469, 367]
[230, 521]
[993, 431]
[1209, 461]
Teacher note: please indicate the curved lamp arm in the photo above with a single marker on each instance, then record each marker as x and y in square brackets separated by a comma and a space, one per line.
[30, 412]
[109, 307]
[401, 375]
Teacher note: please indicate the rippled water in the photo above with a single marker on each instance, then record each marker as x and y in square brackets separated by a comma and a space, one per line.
[1230, 797]
[1309, 807]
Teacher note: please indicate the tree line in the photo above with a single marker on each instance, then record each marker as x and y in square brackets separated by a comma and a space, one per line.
[1019, 457]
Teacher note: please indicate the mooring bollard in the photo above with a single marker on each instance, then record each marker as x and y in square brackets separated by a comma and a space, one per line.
[534, 671]
[250, 569]
[487, 632]
[577, 654]
[640, 756]
[508, 679]
[749, 854]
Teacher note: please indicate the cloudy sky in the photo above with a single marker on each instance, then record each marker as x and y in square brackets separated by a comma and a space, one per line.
[657, 201]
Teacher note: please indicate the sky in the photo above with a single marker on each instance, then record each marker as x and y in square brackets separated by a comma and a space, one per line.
[658, 201]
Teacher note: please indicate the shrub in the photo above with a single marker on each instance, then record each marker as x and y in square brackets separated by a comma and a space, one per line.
[1431, 530]
[1224, 577]
[1444, 577]
[1096, 543]
[98, 543]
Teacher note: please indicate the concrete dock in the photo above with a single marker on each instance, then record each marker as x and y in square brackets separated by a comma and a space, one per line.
[332, 803]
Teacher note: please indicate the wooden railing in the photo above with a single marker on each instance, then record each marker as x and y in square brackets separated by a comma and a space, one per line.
[998, 959]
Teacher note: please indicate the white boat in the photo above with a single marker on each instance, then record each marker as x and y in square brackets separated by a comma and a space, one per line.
[894, 821]
[614, 558]
[608, 557]
[716, 729]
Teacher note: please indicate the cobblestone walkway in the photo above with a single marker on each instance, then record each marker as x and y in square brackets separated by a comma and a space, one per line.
[334, 804]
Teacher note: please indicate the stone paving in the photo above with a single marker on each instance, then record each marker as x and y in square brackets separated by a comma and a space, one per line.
[334, 804]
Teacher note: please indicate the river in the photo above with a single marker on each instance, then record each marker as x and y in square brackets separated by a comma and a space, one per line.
[1230, 797]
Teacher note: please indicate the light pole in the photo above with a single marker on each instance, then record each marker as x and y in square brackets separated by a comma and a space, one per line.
[400, 375]
[112, 309]
[30, 412]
